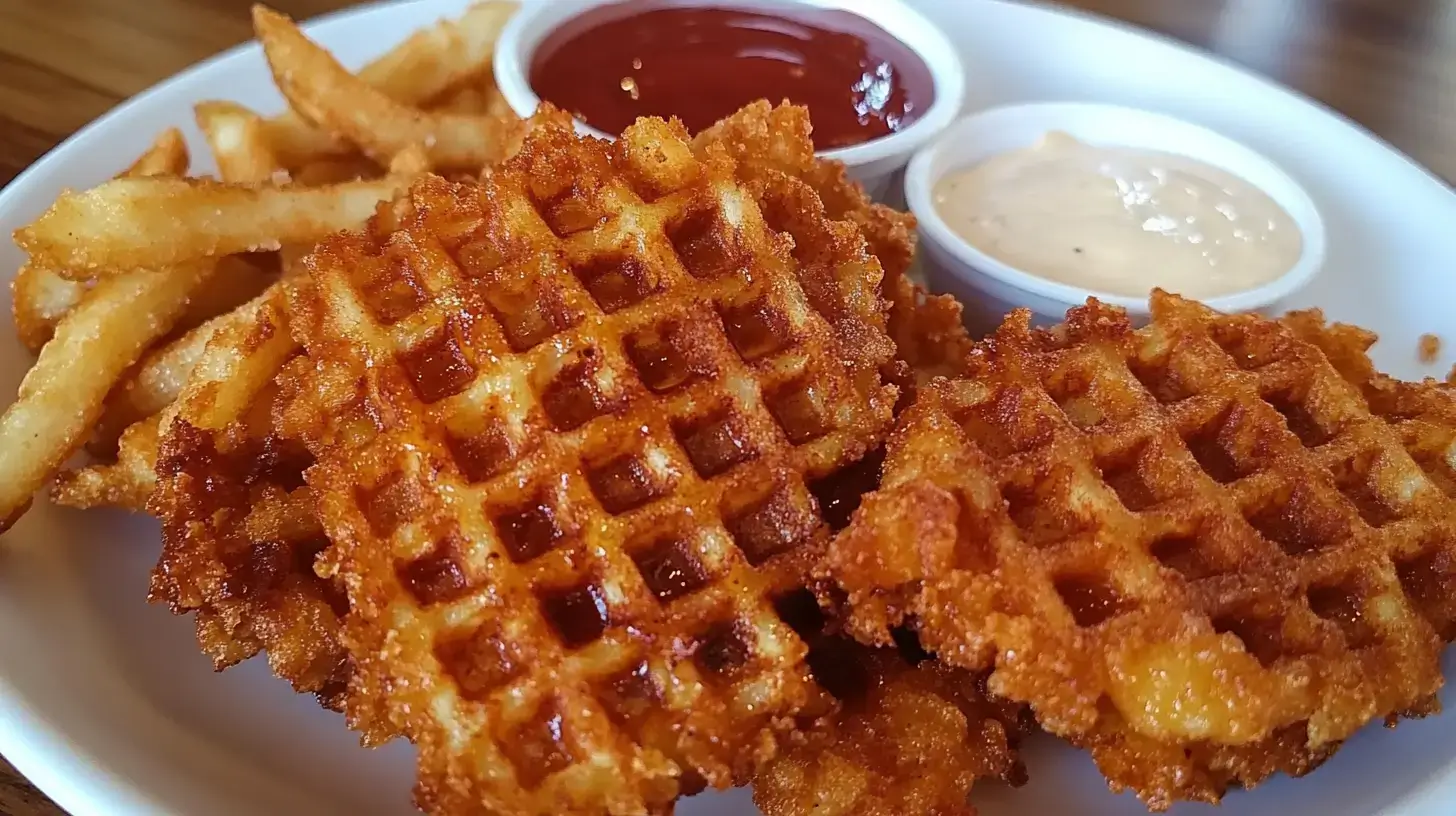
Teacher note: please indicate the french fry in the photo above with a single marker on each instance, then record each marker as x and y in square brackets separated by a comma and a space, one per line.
[469, 100]
[161, 375]
[423, 66]
[62, 395]
[335, 170]
[239, 361]
[239, 142]
[40, 296]
[167, 156]
[126, 483]
[412, 161]
[133, 223]
[317, 86]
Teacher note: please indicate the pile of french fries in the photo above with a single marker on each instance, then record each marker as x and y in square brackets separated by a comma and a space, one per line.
[128, 283]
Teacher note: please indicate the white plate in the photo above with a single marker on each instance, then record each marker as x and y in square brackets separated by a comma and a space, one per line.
[106, 704]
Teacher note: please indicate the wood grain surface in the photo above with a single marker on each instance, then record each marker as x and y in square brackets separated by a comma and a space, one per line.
[1388, 64]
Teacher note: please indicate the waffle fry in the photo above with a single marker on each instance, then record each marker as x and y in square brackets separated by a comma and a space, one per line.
[910, 739]
[1199, 522]
[238, 528]
[1423, 415]
[927, 330]
[548, 346]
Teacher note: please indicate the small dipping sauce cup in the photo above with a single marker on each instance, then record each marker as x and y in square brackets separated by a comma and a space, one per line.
[880, 80]
[989, 286]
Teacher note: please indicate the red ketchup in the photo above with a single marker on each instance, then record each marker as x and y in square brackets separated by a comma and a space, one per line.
[701, 63]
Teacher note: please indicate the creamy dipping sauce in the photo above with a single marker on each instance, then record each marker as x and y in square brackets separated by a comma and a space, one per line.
[1120, 220]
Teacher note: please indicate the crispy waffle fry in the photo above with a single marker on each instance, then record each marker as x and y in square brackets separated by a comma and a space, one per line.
[911, 739]
[425, 65]
[927, 329]
[40, 296]
[768, 139]
[1194, 537]
[604, 421]
[1423, 415]
[238, 528]
[131, 223]
[324, 92]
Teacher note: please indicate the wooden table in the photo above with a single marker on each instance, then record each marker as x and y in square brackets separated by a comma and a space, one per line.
[1388, 64]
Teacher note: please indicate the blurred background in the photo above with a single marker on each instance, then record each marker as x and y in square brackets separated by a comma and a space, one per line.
[1388, 64]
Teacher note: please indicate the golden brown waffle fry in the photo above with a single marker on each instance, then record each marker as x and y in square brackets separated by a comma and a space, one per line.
[927, 329]
[238, 526]
[910, 739]
[605, 395]
[1423, 415]
[1195, 534]
[764, 138]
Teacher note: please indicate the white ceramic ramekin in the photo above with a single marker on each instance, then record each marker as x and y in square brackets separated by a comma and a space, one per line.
[873, 163]
[989, 288]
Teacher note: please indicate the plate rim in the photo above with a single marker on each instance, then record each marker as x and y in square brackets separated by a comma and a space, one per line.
[81, 781]
[35, 746]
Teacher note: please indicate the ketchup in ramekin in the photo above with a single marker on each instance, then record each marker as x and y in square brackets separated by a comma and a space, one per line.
[701, 63]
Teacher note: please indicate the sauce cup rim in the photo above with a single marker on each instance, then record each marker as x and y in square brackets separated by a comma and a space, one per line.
[969, 261]
[536, 19]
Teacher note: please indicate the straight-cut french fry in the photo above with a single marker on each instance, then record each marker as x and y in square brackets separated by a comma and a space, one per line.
[160, 376]
[133, 223]
[239, 361]
[62, 395]
[40, 296]
[239, 142]
[335, 170]
[321, 89]
[423, 66]
[167, 156]
[126, 483]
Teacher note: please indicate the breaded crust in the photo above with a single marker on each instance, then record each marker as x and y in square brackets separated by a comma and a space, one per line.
[580, 431]
[1191, 548]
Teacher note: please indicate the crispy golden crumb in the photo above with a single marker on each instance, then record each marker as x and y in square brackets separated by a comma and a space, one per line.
[1430, 348]
[1156, 537]
[580, 431]
[239, 532]
[911, 739]
[930, 338]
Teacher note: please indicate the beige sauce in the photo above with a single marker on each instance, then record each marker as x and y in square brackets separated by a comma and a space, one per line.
[1120, 220]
